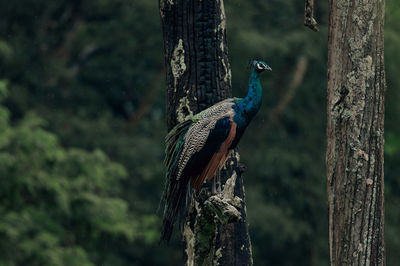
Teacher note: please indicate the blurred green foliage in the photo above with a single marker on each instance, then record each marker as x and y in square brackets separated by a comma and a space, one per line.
[82, 122]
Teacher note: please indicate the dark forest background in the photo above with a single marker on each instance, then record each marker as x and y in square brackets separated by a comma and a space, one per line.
[82, 123]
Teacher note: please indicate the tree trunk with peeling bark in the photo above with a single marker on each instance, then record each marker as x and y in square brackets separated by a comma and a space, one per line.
[355, 119]
[198, 76]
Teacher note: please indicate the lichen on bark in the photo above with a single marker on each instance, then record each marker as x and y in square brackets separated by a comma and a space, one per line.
[178, 65]
[183, 111]
[216, 210]
[355, 115]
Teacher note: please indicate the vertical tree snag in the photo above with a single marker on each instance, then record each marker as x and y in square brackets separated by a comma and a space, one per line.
[198, 75]
[355, 118]
[309, 20]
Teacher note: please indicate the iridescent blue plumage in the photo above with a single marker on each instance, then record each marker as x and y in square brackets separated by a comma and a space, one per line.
[250, 105]
[198, 147]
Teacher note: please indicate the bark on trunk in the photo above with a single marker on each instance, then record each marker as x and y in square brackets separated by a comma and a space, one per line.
[355, 119]
[198, 76]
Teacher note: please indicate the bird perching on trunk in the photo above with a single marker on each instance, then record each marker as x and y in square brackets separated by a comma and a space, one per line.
[198, 147]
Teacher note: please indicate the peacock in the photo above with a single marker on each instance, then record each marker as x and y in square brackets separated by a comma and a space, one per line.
[197, 148]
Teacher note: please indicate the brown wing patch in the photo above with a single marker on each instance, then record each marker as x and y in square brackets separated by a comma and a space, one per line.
[217, 161]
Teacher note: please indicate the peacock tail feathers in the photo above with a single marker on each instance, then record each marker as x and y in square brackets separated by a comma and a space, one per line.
[177, 195]
[174, 144]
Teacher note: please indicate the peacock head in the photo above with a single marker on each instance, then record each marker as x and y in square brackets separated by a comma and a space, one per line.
[259, 66]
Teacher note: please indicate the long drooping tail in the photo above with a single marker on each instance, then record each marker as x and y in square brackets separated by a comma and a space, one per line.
[177, 193]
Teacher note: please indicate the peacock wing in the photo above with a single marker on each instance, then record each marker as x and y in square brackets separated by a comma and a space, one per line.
[204, 162]
[191, 146]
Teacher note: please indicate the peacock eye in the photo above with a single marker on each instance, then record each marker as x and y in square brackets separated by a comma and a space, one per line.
[259, 66]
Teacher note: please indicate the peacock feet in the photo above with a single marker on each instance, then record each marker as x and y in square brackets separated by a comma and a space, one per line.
[216, 188]
[213, 187]
[219, 185]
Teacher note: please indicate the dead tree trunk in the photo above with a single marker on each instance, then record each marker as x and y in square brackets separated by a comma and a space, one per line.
[198, 75]
[355, 118]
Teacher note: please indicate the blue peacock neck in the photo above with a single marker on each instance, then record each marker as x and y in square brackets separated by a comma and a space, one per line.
[252, 102]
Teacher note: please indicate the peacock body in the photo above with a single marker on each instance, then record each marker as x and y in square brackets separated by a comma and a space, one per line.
[198, 147]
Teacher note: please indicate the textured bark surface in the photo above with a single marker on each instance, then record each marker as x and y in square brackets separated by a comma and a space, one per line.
[198, 76]
[309, 20]
[355, 119]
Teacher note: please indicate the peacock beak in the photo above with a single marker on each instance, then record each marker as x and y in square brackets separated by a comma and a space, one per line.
[267, 67]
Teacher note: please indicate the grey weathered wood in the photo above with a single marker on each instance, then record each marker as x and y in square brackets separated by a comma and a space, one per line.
[355, 126]
[198, 76]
